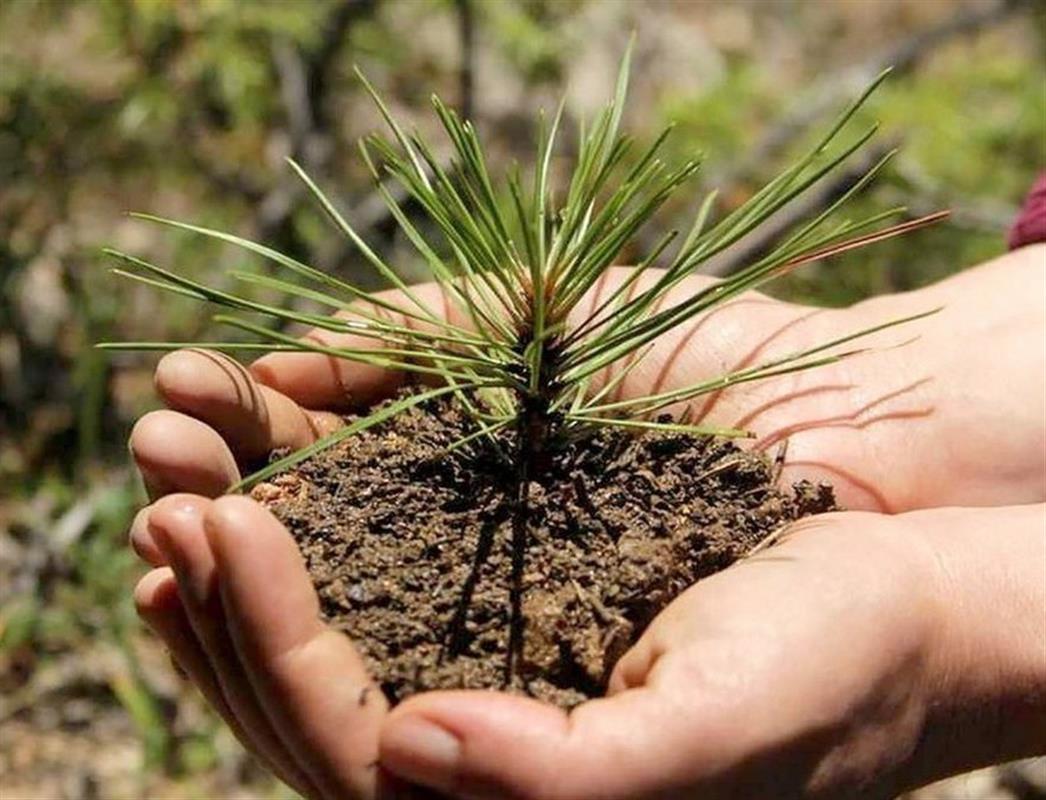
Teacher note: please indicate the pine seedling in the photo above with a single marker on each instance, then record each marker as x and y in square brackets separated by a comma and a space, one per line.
[514, 257]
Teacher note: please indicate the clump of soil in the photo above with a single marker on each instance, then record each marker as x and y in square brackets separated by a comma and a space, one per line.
[410, 548]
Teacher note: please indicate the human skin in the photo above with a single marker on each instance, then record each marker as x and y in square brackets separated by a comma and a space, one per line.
[869, 651]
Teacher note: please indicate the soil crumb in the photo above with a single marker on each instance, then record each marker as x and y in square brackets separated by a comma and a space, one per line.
[410, 550]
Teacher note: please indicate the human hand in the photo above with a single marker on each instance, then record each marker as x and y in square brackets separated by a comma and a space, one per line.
[864, 655]
[843, 432]
[716, 699]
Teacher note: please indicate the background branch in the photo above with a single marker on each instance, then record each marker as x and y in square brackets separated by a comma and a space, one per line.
[818, 101]
[823, 96]
[467, 71]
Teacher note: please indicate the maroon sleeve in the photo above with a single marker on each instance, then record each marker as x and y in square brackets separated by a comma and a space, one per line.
[1030, 226]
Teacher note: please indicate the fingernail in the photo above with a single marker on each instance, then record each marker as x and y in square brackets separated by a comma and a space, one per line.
[163, 542]
[171, 534]
[420, 750]
[141, 542]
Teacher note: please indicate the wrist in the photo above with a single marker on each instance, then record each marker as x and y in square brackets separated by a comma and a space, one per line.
[985, 690]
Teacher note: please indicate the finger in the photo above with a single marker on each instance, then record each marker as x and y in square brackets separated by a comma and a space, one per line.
[630, 745]
[176, 453]
[158, 604]
[253, 419]
[315, 380]
[307, 676]
[142, 541]
[177, 527]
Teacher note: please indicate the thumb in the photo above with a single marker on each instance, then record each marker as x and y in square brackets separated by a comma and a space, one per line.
[492, 746]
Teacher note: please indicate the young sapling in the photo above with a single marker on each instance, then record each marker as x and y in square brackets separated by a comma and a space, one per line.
[521, 354]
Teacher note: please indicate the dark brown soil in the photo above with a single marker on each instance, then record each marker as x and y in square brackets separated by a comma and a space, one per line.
[410, 548]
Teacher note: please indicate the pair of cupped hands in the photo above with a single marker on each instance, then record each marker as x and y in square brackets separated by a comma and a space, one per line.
[868, 651]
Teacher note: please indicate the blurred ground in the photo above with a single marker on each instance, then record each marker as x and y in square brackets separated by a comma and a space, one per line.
[187, 109]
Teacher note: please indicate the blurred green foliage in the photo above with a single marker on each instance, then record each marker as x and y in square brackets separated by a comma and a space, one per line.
[187, 109]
